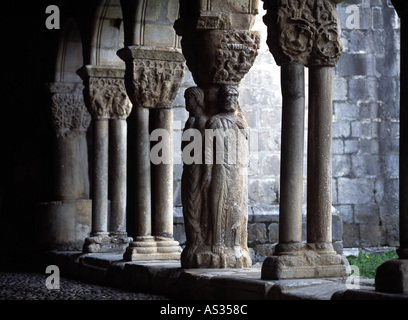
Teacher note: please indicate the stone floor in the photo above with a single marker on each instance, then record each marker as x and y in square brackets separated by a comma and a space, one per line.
[108, 277]
[167, 278]
[31, 286]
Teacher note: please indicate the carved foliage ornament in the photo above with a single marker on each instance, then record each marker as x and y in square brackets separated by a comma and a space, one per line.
[303, 31]
[69, 113]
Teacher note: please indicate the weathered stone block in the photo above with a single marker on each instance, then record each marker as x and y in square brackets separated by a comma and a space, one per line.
[363, 89]
[392, 277]
[352, 64]
[257, 233]
[63, 225]
[341, 165]
[355, 191]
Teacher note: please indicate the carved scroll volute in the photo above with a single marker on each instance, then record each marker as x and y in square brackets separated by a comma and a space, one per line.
[303, 31]
[105, 93]
[153, 75]
[68, 111]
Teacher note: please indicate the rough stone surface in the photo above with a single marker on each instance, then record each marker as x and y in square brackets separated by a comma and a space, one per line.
[31, 286]
[166, 278]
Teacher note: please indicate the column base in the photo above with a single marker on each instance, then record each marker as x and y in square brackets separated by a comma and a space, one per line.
[104, 243]
[152, 248]
[205, 257]
[392, 276]
[308, 263]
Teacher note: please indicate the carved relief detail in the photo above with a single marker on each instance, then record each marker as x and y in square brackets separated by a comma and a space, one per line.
[155, 83]
[214, 193]
[69, 113]
[236, 54]
[107, 98]
[304, 31]
[153, 75]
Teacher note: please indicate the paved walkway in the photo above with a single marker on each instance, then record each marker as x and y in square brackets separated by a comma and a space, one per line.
[32, 286]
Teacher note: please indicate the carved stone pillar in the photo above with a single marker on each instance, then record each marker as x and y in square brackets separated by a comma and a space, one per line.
[305, 34]
[153, 78]
[107, 101]
[392, 276]
[65, 221]
[70, 120]
[220, 49]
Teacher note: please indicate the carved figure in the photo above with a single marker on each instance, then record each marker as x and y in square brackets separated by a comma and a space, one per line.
[307, 32]
[226, 188]
[191, 186]
[214, 193]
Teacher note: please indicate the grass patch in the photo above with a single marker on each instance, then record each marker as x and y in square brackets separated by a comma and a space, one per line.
[369, 262]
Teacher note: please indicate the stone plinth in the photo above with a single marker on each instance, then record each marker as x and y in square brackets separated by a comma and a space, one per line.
[152, 248]
[63, 225]
[304, 263]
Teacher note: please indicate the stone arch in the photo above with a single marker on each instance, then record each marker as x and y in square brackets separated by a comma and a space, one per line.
[150, 22]
[101, 25]
[69, 53]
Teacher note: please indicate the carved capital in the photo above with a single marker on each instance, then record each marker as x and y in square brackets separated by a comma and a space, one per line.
[104, 93]
[216, 14]
[153, 75]
[303, 31]
[235, 55]
[219, 57]
[68, 108]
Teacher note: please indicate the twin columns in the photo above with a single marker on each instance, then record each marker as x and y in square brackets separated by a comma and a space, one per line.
[151, 81]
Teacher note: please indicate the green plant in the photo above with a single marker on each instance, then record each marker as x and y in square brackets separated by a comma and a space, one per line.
[368, 262]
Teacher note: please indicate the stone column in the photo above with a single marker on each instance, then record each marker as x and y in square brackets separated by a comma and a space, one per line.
[219, 49]
[319, 159]
[142, 176]
[100, 178]
[70, 120]
[153, 78]
[164, 177]
[291, 179]
[107, 101]
[305, 33]
[118, 176]
[65, 222]
[392, 276]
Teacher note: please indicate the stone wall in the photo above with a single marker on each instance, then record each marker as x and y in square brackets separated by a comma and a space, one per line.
[366, 125]
[365, 133]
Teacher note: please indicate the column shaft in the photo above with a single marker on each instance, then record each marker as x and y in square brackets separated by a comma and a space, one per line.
[142, 176]
[72, 180]
[291, 180]
[164, 178]
[118, 175]
[319, 165]
[100, 178]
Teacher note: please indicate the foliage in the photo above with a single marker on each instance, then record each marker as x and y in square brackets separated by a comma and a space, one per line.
[368, 262]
